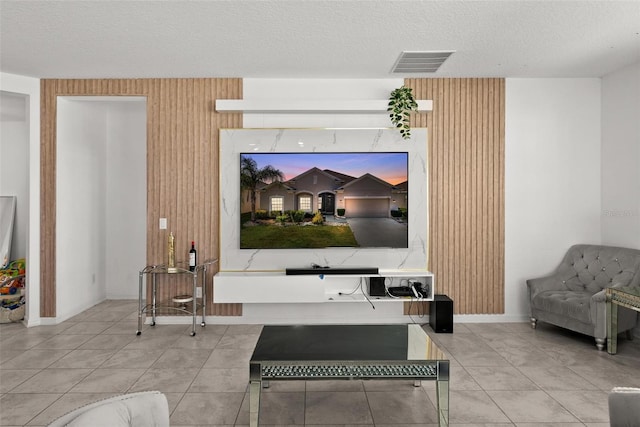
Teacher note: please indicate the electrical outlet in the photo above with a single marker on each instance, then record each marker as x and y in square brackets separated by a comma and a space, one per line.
[163, 223]
[199, 292]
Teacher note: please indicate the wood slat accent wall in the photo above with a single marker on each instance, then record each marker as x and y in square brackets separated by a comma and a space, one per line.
[466, 190]
[182, 170]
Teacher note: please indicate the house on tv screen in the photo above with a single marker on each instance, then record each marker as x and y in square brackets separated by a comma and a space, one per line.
[330, 192]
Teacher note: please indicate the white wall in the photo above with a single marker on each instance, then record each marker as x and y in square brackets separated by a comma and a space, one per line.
[549, 194]
[30, 87]
[363, 89]
[14, 166]
[621, 157]
[126, 197]
[101, 201]
[552, 177]
[80, 206]
[552, 168]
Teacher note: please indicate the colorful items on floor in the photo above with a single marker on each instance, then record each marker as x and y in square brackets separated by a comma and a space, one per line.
[11, 285]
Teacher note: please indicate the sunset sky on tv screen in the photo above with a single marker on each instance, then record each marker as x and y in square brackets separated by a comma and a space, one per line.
[390, 167]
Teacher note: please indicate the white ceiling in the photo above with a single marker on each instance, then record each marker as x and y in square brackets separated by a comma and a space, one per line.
[315, 39]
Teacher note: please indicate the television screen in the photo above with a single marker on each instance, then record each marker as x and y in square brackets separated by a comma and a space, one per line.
[320, 200]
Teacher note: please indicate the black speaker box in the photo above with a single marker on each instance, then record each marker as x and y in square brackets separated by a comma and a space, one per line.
[441, 314]
[376, 287]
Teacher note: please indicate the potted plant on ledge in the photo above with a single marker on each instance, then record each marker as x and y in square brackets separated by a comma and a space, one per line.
[401, 104]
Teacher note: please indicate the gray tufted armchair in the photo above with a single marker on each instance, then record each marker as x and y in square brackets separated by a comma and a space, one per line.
[573, 297]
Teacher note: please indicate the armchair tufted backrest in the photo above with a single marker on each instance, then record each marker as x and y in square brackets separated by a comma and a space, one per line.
[594, 267]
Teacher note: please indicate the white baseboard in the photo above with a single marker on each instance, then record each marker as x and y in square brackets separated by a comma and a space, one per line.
[244, 320]
[249, 320]
[489, 318]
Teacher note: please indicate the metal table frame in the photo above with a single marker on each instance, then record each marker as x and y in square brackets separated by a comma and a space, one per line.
[625, 297]
[154, 270]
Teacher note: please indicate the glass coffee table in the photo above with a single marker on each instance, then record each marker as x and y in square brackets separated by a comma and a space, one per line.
[330, 352]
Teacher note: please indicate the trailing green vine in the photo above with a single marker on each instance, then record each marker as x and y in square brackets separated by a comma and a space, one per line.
[401, 104]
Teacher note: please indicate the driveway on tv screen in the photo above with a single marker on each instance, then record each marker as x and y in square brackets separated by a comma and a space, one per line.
[379, 232]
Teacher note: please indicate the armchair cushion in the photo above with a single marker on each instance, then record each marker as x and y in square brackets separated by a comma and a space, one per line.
[573, 304]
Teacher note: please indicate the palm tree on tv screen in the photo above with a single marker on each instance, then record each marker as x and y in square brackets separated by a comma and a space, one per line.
[251, 176]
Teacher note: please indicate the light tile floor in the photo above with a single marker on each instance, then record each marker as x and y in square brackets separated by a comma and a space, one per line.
[501, 375]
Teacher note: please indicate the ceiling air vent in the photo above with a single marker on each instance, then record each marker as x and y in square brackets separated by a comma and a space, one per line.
[420, 62]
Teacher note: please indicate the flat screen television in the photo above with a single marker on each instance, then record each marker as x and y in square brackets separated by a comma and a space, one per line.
[310, 200]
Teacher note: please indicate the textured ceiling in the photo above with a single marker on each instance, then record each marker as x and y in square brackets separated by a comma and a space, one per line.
[315, 39]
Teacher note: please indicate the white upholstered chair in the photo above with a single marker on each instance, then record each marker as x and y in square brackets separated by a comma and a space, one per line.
[624, 407]
[144, 409]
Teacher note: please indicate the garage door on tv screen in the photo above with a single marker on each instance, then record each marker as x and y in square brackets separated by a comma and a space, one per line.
[322, 200]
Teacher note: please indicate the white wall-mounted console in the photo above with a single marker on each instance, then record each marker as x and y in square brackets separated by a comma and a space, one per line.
[310, 106]
[277, 287]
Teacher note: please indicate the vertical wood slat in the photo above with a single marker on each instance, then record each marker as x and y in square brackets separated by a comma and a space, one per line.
[182, 170]
[466, 190]
[47, 199]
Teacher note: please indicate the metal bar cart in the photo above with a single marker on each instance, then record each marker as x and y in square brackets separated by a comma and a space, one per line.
[200, 271]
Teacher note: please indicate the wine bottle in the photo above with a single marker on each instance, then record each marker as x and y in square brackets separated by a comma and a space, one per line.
[192, 256]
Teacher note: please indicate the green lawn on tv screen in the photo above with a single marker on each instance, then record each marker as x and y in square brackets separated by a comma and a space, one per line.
[295, 236]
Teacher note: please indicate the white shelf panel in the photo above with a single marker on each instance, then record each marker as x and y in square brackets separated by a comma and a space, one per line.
[264, 288]
[358, 297]
[318, 106]
[277, 287]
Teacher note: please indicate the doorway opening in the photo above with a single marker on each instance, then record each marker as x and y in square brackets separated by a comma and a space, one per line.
[101, 190]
